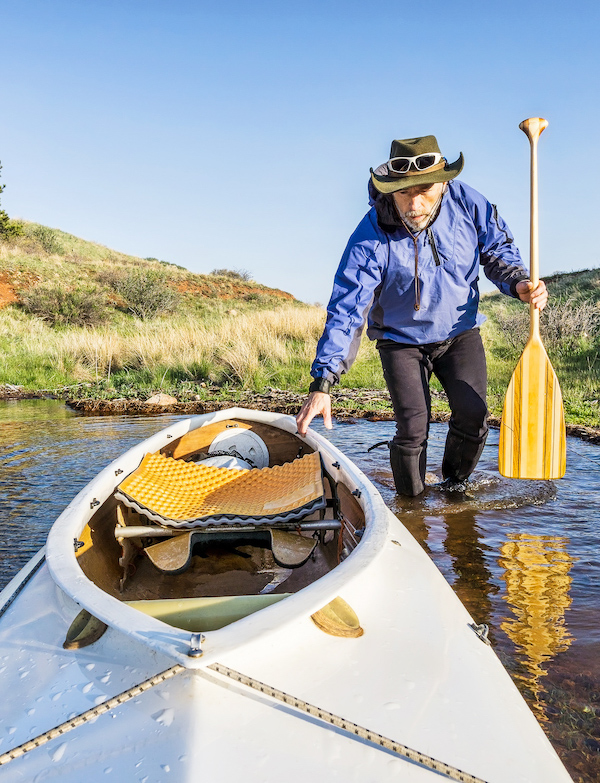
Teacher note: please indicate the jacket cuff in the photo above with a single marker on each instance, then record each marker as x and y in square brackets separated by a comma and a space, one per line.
[320, 385]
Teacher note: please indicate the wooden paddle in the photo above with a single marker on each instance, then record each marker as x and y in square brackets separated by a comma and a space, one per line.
[532, 433]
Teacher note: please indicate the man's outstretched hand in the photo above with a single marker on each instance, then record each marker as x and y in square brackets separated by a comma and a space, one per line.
[316, 404]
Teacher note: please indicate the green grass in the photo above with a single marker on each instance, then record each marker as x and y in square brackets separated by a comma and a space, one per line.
[235, 334]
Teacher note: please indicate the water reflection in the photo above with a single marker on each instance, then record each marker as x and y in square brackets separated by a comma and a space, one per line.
[533, 579]
[537, 575]
[474, 582]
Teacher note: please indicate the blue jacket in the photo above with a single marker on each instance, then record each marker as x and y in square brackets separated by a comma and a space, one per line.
[376, 276]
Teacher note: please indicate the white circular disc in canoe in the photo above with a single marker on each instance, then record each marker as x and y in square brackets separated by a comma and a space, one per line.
[246, 443]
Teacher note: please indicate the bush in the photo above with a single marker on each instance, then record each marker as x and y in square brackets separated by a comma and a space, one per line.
[46, 238]
[9, 229]
[566, 324]
[146, 292]
[61, 306]
[236, 274]
[570, 325]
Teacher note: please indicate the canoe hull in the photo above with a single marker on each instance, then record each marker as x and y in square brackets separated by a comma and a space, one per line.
[419, 675]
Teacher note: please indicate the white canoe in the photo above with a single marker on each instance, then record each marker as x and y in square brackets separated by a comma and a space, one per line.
[420, 676]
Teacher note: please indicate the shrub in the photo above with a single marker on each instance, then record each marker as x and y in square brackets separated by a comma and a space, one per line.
[569, 324]
[45, 237]
[62, 306]
[146, 292]
[236, 274]
[566, 324]
[9, 229]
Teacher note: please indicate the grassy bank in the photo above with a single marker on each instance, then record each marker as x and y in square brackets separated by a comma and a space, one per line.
[157, 327]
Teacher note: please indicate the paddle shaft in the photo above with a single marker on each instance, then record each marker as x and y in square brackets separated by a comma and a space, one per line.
[533, 129]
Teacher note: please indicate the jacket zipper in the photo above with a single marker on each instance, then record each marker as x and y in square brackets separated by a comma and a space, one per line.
[433, 247]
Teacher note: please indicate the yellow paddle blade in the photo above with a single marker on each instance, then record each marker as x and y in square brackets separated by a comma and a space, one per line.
[532, 433]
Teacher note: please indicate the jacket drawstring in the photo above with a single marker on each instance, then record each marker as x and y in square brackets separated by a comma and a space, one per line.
[415, 239]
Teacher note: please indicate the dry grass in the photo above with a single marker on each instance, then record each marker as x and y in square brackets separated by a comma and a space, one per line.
[235, 346]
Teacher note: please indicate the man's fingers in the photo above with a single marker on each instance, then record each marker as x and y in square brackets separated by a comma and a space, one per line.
[316, 404]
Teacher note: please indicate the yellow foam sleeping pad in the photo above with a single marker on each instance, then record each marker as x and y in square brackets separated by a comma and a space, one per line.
[187, 494]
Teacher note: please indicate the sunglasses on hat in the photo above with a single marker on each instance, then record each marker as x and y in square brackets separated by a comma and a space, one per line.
[420, 162]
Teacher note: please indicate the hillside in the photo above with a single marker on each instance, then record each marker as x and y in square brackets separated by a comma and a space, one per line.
[49, 256]
[82, 321]
[77, 318]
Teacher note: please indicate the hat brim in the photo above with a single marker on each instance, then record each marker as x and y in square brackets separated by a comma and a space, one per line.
[388, 183]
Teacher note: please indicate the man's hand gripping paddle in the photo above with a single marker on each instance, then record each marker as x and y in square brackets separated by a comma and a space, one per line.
[532, 433]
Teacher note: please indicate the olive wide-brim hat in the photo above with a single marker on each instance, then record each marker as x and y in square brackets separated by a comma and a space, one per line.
[385, 180]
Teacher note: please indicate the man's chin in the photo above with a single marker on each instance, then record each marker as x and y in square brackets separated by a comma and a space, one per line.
[416, 225]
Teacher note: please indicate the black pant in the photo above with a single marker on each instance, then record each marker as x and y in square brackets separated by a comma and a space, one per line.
[459, 364]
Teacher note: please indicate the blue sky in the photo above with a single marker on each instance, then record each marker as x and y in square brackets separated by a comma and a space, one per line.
[240, 135]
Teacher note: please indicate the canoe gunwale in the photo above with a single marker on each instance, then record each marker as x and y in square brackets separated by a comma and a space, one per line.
[176, 643]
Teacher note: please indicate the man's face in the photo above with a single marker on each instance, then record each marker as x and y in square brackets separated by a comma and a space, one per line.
[416, 204]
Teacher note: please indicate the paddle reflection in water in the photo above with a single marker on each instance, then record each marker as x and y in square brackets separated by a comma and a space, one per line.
[537, 590]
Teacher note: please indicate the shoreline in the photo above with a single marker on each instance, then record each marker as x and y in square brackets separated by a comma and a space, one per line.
[348, 405]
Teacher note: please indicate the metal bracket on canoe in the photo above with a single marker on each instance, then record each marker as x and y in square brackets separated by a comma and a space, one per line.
[195, 650]
[482, 631]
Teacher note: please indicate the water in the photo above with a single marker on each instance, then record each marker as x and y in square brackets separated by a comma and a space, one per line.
[522, 555]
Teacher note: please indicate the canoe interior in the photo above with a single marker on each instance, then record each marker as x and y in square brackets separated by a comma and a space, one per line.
[236, 567]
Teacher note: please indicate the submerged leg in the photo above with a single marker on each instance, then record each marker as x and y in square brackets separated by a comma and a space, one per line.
[461, 455]
[461, 368]
[408, 468]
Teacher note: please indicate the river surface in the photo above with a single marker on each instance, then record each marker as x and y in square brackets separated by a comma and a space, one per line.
[523, 556]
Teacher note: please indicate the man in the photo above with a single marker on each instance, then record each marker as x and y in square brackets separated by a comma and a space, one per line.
[412, 265]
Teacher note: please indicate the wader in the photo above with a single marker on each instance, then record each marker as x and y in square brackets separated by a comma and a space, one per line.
[459, 364]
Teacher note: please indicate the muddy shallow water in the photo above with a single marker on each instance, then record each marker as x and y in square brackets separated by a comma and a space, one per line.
[523, 556]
